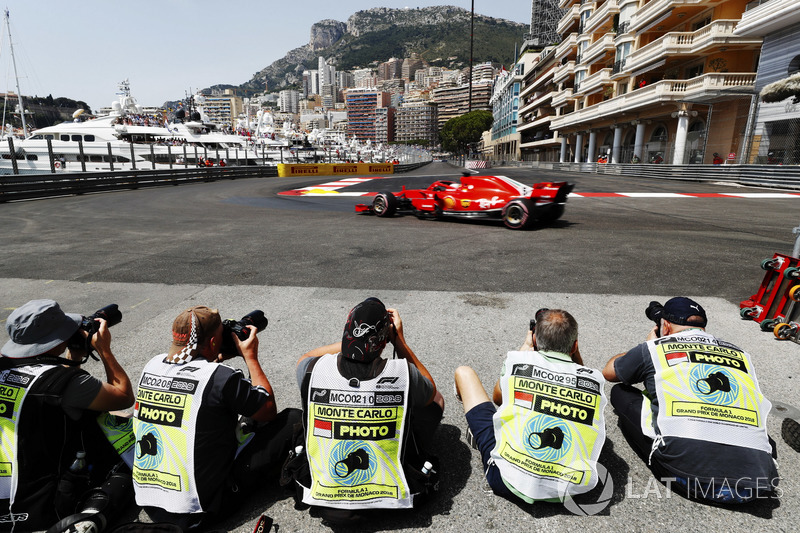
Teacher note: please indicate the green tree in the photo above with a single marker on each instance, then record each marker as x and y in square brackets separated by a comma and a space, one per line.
[459, 132]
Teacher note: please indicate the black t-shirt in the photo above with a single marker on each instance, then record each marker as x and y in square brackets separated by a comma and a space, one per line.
[227, 395]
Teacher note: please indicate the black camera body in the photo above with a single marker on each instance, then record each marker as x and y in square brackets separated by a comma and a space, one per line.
[655, 312]
[110, 313]
[239, 328]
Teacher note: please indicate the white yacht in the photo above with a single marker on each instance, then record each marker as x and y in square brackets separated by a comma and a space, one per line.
[127, 139]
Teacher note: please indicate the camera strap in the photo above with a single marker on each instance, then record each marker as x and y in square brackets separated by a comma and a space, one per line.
[7, 362]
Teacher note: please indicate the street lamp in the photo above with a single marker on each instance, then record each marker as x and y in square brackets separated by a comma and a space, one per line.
[471, 39]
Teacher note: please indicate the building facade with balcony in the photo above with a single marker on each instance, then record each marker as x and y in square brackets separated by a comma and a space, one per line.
[653, 80]
[223, 109]
[538, 142]
[363, 110]
[775, 124]
[417, 121]
[504, 140]
[455, 101]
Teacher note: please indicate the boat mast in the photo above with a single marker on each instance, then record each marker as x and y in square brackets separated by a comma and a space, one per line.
[16, 77]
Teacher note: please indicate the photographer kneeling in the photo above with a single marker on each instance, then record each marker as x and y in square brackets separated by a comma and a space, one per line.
[193, 451]
[54, 447]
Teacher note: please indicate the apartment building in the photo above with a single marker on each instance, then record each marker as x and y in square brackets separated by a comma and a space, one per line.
[363, 110]
[384, 124]
[289, 101]
[455, 101]
[652, 80]
[223, 109]
[504, 141]
[417, 121]
[538, 141]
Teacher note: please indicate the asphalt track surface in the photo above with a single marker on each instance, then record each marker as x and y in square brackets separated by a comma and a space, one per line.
[465, 290]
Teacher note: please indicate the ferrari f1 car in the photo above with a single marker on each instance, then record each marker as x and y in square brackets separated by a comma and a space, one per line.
[519, 206]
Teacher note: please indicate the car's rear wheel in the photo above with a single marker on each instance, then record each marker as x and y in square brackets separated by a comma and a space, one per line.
[518, 214]
[384, 204]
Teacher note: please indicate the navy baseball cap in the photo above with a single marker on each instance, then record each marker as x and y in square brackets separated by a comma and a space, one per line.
[37, 327]
[367, 331]
[678, 310]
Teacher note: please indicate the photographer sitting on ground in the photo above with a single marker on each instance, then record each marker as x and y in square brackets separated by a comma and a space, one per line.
[701, 423]
[192, 455]
[543, 441]
[368, 419]
[51, 410]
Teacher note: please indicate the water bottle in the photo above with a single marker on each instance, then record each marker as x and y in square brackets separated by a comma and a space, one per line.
[79, 464]
[72, 484]
[426, 467]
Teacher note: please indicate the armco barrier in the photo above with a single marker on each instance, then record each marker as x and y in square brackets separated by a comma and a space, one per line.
[29, 186]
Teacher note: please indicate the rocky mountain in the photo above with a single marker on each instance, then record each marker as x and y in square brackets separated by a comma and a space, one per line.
[440, 35]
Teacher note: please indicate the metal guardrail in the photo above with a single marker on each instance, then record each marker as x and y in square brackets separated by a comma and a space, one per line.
[756, 175]
[30, 186]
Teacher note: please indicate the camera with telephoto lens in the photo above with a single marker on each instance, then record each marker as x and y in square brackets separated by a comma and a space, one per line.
[110, 313]
[239, 328]
[654, 312]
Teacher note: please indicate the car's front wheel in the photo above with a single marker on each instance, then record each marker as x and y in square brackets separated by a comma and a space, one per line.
[384, 204]
[518, 214]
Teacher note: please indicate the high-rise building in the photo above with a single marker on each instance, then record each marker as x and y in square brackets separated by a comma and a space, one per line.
[223, 109]
[390, 69]
[539, 80]
[362, 112]
[289, 101]
[410, 66]
[364, 78]
[417, 121]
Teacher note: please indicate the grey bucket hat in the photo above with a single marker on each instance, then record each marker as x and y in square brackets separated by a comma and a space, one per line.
[37, 327]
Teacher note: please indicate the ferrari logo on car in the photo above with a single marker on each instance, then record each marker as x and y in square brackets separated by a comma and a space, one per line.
[465, 203]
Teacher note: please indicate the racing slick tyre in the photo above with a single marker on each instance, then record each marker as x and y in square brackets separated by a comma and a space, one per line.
[790, 431]
[384, 204]
[518, 214]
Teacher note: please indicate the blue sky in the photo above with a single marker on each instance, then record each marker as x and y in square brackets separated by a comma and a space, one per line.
[81, 48]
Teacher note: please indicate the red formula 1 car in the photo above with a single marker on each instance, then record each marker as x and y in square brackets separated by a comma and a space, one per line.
[519, 206]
